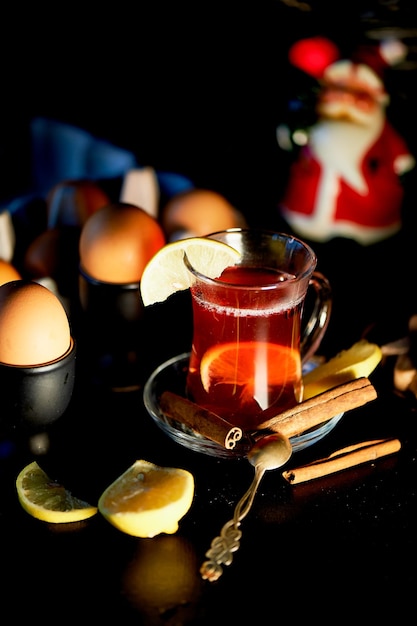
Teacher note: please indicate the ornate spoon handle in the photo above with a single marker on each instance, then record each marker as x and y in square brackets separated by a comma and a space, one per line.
[223, 546]
[268, 453]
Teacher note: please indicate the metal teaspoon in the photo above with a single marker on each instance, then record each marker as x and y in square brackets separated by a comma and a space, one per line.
[268, 453]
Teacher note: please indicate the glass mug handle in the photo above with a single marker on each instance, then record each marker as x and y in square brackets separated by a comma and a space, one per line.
[317, 324]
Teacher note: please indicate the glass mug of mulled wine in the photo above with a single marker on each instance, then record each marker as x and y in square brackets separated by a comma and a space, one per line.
[252, 329]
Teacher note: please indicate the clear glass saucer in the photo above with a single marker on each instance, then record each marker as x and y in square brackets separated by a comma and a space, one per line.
[171, 376]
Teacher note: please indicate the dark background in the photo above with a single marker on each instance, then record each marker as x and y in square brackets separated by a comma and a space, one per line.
[200, 91]
[195, 88]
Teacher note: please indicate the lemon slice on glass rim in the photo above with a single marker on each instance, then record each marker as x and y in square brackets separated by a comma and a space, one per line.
[166, 273]
[48, 500]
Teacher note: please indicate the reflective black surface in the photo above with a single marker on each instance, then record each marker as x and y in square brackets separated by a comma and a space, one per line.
[346, 542]
[341, 547]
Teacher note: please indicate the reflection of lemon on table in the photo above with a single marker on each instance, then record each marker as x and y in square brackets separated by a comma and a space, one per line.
[148, 499]
[166, 272]
[358, 361]
[162, 580]
[47, 499]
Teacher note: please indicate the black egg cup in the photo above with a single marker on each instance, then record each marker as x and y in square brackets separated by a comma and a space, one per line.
[112, 302]
[36, 396]
[110, 331]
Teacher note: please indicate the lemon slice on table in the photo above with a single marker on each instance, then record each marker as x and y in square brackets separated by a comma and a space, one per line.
[48, 500]
[166, 272]
[358, 361]
[148, 499]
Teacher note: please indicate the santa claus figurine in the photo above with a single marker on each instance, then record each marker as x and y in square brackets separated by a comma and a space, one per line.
[346, 180]
[344, 194]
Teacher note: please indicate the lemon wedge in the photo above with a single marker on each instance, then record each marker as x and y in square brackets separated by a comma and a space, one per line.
[166, 272]
[48, 500]
[148, 499]
[358, 361]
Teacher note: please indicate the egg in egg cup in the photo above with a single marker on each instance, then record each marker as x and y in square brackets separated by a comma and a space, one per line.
[116, 243]
[37, 356]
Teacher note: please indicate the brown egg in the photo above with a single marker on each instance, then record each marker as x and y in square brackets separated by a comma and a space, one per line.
[8, 272]
[71, 202]
[34, 327]
[54, 253]
[198, 212]
[117, 241]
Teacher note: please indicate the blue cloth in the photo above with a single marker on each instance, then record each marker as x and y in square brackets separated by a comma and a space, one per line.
[60, 151]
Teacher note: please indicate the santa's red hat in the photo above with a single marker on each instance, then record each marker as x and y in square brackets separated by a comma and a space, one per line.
[319, 57]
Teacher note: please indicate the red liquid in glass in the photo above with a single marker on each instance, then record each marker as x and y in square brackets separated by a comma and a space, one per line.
[245, 353]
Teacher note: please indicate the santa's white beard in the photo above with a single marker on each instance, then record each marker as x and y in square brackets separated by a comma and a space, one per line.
[340, 145]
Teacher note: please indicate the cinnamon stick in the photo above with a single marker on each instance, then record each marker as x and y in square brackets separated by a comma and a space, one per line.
[199, 419]
[343, 459]
[321, 408]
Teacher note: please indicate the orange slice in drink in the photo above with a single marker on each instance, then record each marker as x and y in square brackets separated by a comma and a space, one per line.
[252, 365]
